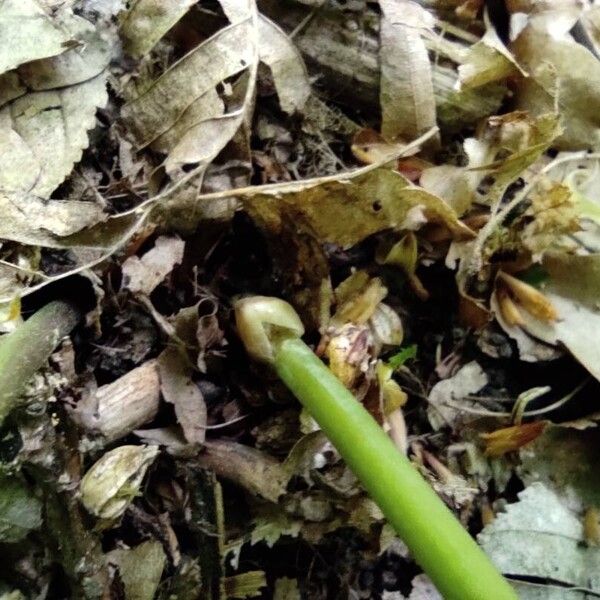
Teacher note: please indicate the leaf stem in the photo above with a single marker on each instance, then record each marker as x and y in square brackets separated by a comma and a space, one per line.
[437, 540]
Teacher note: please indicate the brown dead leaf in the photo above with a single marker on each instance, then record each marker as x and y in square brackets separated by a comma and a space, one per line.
[179, 390]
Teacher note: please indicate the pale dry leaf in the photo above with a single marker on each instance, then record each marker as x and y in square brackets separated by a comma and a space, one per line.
[141, 275]
[140, 568]
[540, 537]
[11, 87]
[469, 380]
[406, 95]
[28, 33]
[88, 57]
[159, 107]
[564, 460]
[207, 108]
[179, 390]
[237, 10]
[530, 349]
[423, 589]
[44, 133]
[29, 220]
[289, 72]
[147, 21]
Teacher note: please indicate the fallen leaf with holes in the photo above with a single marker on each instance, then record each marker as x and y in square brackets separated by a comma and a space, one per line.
[540, 537]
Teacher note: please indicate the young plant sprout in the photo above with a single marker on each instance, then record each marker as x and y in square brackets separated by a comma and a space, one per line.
[271, 331]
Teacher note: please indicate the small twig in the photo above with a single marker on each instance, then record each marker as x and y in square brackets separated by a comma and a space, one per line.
[482, 412]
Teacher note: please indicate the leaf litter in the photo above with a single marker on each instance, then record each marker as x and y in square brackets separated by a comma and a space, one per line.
[420, 181]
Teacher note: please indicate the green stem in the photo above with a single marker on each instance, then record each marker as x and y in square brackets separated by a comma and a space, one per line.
[26, 350]
[439, 543]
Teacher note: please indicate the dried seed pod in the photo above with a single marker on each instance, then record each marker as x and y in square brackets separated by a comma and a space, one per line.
[509, 309]
[114, 480]
[529, 298]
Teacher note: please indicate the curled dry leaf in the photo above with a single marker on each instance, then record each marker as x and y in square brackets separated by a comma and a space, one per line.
[140, 568]
[487, 61]
[142, 275]
[406, 96]
[44, 133]
[572, 290]
[182, 114]
[114, 480]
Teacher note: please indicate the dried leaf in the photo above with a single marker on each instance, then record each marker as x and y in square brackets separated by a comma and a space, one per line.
[82, 62]
[530, 349]
[114, 480]
[143, 275]
[166, 100]
[541, 538]
[406, 96]
[44, 133]
[348, 208]
[565, 74]
[29, 220]
[572, 289]
[289, 73]
[488, 60]
[20, 511]
[510, 439]
[146, 21]
[245, 585]
[140, 569]
[469, 380]
[27, 33]
[565, 460]
[178, 389]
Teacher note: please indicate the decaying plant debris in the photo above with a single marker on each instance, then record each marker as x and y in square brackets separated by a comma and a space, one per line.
[419, 179]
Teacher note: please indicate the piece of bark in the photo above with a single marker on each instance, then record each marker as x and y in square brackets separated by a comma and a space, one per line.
[116, 409]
